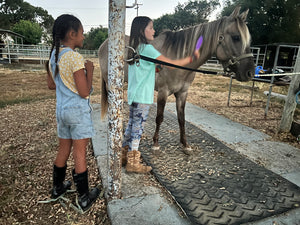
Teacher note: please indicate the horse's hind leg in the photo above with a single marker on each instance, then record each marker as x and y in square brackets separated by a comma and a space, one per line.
[161, 103]
[180, 107]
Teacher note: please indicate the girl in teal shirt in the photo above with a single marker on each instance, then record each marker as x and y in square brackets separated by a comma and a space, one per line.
[141, 81]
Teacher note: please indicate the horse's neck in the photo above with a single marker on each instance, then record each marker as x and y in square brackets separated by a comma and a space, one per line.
[182, 43]
[210, 32]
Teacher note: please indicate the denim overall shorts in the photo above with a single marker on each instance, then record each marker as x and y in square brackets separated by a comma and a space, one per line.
[73, 113]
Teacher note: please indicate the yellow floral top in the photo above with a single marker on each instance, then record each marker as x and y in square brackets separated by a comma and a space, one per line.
[69, 63]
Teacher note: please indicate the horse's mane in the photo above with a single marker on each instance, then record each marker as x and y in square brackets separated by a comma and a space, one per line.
[245, 35]
[182, 42]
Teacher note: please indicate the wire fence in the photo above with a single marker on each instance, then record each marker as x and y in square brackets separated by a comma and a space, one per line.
[33, 53]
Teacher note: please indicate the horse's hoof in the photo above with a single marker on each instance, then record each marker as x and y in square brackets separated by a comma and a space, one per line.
[187, 150]
[155, 148]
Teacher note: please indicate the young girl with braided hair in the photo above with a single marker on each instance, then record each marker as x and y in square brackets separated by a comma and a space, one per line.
[71, 77]
[141, 81]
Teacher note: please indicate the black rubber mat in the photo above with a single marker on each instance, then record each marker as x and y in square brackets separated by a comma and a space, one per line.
[215, 184]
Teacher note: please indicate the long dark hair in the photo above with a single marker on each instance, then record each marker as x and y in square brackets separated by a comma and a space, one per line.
[137, 33]
[62, 25]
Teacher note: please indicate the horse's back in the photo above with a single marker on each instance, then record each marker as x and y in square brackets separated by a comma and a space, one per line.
[103, 59]
[103, 56]
[103, 63]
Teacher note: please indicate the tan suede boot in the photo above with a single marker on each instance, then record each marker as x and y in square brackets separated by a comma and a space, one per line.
[134, 164]
[124, 155]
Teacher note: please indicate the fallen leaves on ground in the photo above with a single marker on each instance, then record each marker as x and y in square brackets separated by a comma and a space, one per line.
[28, 149]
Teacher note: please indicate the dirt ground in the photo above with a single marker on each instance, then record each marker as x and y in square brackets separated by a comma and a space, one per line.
[28, 148]
[29, 142]
[211, 93]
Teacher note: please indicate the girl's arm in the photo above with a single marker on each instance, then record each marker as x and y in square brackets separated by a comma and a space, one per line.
[50, 81]
[179, 62]
[84, 80]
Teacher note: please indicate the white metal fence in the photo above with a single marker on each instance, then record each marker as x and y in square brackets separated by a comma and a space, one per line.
[38, 53]
[260, 57]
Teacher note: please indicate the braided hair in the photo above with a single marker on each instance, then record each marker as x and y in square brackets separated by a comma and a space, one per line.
[137, 33]
[62, 25]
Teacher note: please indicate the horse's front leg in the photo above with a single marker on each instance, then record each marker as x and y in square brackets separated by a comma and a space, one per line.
[161, 103]
[180, 107]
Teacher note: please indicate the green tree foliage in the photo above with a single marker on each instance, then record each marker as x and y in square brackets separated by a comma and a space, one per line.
[186, 14]
[31, 31]
[95, 37]
[270, 21]
[13, 11]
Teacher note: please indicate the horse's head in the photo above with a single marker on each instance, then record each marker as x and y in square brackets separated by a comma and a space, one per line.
[233, 48]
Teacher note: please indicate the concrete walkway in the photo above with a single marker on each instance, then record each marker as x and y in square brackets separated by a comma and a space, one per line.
[146, 203]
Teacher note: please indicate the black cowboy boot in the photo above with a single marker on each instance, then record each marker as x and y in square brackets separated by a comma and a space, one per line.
[86, 198]
[60, 186]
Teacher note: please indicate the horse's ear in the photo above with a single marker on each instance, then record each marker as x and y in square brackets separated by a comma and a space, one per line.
[235, 12]
[243, 15]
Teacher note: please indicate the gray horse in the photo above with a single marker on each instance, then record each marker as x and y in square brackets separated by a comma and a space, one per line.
[227, 38]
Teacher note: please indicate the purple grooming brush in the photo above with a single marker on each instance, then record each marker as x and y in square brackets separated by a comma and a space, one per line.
[199, 43]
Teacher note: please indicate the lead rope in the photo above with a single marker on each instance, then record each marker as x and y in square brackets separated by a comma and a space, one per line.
[136, 57]
[65, 202]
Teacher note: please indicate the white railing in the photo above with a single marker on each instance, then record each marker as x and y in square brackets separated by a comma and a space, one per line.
[39, 53]
[259, 59]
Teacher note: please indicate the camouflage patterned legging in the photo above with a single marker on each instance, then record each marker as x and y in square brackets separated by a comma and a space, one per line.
[138, 114]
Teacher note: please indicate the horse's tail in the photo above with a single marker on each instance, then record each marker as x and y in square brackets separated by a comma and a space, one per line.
[102, 54]
[104, 97]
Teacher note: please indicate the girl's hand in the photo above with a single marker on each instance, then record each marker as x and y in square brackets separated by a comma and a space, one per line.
[84, 79]
[89, 66]
[196, 54]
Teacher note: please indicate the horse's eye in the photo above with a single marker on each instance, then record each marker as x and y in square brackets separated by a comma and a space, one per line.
[236, 38]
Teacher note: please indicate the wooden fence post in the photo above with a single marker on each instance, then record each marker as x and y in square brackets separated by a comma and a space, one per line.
[290, 103]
